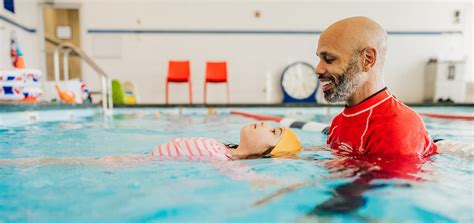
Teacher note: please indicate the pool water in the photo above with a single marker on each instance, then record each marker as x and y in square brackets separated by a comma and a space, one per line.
[441, 190]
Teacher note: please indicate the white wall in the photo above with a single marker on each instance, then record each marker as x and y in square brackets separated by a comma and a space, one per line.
[251, 58]
[144, 56]
[27, 15]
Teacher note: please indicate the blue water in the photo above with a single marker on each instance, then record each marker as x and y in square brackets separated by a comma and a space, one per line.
[170, 191]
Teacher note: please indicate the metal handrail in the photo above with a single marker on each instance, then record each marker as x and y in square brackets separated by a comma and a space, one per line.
[69, 48]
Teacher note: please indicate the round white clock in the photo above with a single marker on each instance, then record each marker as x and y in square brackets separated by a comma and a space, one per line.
[299, 82]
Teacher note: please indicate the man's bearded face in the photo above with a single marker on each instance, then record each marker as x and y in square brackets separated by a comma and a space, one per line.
[340, 87]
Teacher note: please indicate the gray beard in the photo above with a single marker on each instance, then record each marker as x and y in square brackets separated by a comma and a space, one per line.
[346, 84]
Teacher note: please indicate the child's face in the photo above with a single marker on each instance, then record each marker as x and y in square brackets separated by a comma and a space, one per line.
[260, 137]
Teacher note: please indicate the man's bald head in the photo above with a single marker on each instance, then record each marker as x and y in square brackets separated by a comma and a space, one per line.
[352, 54]
[356, 33]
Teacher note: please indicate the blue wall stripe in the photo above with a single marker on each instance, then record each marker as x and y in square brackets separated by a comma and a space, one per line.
[221, 32]
[158, 31]
[30, 30]
[245, 32]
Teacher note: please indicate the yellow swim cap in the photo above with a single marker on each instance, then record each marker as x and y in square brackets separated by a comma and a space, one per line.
[289, 143]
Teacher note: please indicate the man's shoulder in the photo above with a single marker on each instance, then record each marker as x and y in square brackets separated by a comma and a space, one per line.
[395, 110]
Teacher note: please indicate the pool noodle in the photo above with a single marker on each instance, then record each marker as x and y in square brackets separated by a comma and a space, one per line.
[287, 122]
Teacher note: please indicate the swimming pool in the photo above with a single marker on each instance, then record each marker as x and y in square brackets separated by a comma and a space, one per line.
[171, 191]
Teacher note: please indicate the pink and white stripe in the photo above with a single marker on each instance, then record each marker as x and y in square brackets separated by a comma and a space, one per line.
[193, 149]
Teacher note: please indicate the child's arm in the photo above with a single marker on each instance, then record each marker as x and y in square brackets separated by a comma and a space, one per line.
[44, 161]
[456, 148]
[108, 161]
[235, 170]
[317, 148]
[238, 171]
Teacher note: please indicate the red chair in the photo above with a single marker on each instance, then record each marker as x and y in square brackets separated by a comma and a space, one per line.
[179, 72]
[216, 72]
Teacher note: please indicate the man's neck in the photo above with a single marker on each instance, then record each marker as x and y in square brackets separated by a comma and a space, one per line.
[367, 90]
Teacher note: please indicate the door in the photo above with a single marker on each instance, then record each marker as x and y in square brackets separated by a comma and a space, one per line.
[62, 24]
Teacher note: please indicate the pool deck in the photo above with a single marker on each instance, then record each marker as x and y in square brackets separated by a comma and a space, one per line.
[16, 107]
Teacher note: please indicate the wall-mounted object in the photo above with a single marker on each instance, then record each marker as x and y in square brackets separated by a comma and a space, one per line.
[445, 81]
[257, 14]
[9, 5]
[299, 83]
[63, 32]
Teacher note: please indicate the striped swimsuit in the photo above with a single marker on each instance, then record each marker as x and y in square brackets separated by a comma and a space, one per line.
[195, 148]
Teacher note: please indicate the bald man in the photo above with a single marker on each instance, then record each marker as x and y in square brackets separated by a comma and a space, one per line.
[374, 123]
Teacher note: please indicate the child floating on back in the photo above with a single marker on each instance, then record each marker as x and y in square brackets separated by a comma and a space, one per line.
[257, 140]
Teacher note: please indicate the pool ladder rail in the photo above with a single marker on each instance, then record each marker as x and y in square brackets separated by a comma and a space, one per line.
[67, 49]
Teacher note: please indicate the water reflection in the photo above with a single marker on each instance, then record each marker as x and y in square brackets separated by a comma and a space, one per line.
[348, 198]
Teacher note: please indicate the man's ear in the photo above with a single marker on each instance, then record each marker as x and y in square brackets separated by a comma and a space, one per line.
[369, 57]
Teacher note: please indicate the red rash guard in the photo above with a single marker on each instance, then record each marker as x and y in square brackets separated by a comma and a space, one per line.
[379, 126]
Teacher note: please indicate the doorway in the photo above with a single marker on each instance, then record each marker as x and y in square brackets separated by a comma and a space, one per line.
[62, 25]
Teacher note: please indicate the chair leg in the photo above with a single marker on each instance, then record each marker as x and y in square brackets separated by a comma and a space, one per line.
[227, 93]
[205, 92]
[190, 93]
[166, 93]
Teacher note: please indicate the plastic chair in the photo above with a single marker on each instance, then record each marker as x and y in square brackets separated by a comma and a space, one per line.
[179, 72]
[216, 72]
